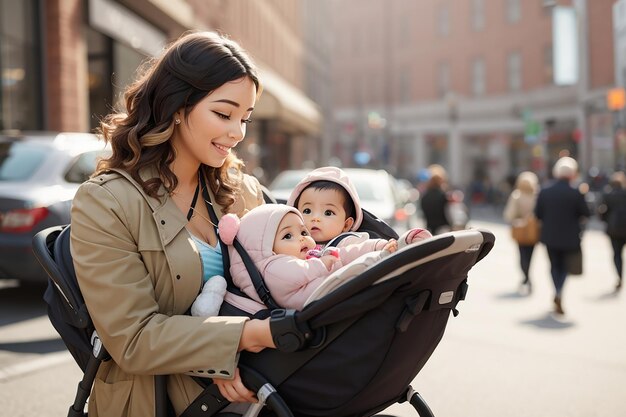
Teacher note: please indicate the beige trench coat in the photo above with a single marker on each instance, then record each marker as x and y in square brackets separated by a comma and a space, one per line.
[139, 272]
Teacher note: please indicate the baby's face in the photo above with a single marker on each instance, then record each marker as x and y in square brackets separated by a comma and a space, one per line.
[323, 213]
[292, 237]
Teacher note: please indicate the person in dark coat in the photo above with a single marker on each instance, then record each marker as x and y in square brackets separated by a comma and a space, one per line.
[434, 201]
[613, 212]
[561, 209]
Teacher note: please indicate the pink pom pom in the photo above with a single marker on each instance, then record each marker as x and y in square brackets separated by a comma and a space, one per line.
[228, 228]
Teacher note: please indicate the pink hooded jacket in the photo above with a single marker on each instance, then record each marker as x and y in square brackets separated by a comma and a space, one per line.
[290, 280]
[350, 247]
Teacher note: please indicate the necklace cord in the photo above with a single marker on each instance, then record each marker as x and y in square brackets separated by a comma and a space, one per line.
[192, 207]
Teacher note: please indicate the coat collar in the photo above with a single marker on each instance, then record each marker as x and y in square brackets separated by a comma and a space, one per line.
[165, 212]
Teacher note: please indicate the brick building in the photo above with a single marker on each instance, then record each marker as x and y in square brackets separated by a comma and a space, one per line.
[469, 84]
[65, 63]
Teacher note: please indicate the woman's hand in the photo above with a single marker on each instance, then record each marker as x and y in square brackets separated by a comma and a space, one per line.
[256, 336]
[234, 390]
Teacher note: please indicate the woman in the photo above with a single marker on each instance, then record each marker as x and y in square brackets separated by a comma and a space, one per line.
[562, 209]
[520, 207]
[142, 240]
[613, 212]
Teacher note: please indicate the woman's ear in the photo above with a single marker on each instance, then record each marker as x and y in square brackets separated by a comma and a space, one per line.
[347, 225]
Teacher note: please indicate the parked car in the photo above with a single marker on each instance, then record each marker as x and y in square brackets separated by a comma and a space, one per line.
[409, 197]
[284, 183]
[39, 175]
[377, 190]
[379, 194]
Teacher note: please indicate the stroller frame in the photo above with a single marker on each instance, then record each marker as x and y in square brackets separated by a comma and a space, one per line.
[301, 333]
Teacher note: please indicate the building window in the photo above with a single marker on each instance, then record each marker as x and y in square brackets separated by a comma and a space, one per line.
[443, 81]
[356, 44]
[478, 77]
[99, 69]
[548, 64]
[443, 20]
[357, 92]
[514, 68]
[404, 30]
[513, 10]
[478, 15]
[112, 67]
[20, 90]
[404, 87]
[547, 5]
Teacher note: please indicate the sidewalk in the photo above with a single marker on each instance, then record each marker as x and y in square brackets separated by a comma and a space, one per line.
[507, 355]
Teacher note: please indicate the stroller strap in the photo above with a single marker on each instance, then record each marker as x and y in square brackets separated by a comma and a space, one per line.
[208, 403]
[259, 284]
[225, 256]
[336, 240]
[255, 275]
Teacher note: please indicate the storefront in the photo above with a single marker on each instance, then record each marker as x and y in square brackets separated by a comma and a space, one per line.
[285, 125]
[20, 65]
[117, 42]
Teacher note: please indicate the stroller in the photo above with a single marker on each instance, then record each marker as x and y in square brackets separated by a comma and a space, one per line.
[351, 352]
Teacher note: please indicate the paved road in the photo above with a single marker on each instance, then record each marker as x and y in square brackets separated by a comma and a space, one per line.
[504, 355]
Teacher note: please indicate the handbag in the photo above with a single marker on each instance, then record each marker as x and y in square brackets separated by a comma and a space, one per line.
[526, 231]
[574, 262]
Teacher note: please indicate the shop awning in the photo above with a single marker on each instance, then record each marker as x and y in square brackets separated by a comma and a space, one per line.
[286, 104]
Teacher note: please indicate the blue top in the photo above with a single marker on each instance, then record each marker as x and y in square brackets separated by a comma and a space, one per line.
[211, 257]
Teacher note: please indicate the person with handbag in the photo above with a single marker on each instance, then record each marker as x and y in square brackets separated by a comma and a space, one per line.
[612, 211]
[519, 212]
[562, 209]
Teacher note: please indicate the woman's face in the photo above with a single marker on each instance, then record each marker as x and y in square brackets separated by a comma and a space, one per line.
[215, 125]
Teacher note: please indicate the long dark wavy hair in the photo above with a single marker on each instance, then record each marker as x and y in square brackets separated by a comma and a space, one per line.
[189, 69]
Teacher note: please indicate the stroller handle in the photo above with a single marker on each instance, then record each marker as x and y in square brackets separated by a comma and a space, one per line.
[288, 335]
[266, 394]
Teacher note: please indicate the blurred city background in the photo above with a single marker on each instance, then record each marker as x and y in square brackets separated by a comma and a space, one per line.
[486, 88]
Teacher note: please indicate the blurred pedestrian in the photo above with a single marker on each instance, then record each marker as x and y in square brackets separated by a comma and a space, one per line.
[519, 211]
[434, 201]
[612, 211]
[561, 208]
[457, 212]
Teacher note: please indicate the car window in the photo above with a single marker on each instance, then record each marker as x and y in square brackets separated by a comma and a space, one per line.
[19, 161]
[287, 181]
[371, 188]
[83, 166]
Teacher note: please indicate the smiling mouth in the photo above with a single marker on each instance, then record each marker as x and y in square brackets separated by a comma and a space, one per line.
[222, 148]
